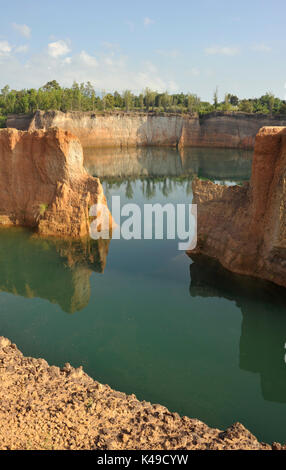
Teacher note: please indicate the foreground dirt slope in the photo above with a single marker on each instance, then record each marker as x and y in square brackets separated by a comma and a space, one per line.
[44, 407]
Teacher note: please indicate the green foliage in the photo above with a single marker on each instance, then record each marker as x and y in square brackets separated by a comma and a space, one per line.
[246, 106]
[2, 121]
[42, 208]
[83, 97]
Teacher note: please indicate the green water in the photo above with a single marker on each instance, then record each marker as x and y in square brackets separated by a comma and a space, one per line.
[142, 316]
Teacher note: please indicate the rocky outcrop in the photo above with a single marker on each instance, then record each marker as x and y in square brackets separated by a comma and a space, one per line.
[244, 227]
[49, 408]
[218, 129]
[43, 183]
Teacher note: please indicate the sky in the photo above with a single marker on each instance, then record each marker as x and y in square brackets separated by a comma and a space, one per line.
[183, 45]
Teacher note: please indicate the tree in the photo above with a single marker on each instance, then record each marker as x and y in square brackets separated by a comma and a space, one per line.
[246, 106]
[216, 98]
[5, 91]
[141, 101]
[109, 101]
[150, 97]
[193, 102]
[127, 98]
[166, 100]
[282, 109]
[226, 105]
[233, 99]
[76, 96]
[271, 100]
[52, 85]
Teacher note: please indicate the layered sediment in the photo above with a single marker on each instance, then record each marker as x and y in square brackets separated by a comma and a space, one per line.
[43, 183]
[244, 227]
[46, 407]
[218, 129]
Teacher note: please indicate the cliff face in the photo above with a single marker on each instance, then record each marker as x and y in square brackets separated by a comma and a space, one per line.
[231, 130]
[245, 227]
[43, 183]
[224, 130]
[116, 130]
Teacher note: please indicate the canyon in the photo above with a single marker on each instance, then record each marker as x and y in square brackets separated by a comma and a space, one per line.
[244, 227]
[44, 184]
[122, 129]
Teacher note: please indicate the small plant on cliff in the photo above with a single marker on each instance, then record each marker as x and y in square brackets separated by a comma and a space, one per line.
[42, 208]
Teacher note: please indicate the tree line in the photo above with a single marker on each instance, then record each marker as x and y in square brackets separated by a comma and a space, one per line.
[83, 97]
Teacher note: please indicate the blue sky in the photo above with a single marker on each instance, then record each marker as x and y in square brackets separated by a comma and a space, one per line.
[182, 45]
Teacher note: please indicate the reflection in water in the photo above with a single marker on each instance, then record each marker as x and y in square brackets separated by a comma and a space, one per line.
[56, 270]
[165, 170]
[263, 332]
[119, 164]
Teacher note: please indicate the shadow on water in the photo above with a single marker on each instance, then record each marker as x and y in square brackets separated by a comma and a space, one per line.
[56, 270]
[263, 330]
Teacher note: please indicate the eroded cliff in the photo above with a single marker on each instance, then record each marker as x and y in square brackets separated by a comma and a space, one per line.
[245, 227]
[43, 183]
[118, 129]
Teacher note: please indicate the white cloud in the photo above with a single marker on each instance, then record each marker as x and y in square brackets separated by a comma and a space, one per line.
[22, 49]
[109, 72]
[224, 50]
[261, 48]
[88, 59]
[172, 53]
[23, 29]
[148, 21]
[5, 48]
[58, 48]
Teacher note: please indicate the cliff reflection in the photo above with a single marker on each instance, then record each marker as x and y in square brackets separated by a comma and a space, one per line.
[56, 270]
[118, 165]
[263, 331]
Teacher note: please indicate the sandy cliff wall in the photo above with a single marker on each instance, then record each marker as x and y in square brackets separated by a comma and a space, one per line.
[43, 183]
[232, 130]
[245, 227]
[116, 130]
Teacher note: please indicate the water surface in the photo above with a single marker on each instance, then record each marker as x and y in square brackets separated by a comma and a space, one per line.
[142, 316]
